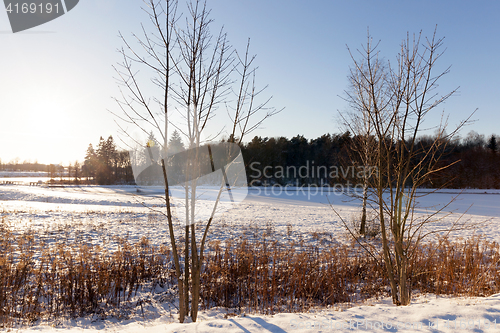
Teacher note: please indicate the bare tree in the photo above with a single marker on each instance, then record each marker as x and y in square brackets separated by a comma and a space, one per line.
[362, 102]
[392, 102]
[197, 73]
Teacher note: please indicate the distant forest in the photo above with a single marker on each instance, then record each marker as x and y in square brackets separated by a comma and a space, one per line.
[103, 165]
[326, 160]
[477, 161]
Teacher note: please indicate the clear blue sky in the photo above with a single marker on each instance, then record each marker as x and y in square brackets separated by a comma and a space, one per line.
[57, 83]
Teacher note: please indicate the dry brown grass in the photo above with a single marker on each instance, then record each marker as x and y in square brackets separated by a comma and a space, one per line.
[468, 267]
[270, 277]
[40, 281]
[46, 281]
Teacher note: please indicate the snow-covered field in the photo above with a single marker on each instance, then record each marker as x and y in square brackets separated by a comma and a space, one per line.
[94, 213]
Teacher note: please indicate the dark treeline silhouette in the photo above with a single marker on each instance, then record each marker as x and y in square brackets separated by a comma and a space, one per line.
[105, 165]
[326, 160]
[477, 164]
[24, 166]
[295, 161]
[330, 160]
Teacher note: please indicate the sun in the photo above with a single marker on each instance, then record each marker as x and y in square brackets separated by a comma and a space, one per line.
[46, 133]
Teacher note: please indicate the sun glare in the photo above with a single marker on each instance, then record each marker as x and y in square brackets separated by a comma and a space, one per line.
[46, 133]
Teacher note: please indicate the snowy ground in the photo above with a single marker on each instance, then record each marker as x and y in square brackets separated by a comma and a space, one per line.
[92, 213]
[427, 313]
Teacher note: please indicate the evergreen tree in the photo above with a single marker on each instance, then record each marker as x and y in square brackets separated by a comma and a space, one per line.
[90, 163]
[105, 165]
[175, 144]
[492, 143]
[106, 156]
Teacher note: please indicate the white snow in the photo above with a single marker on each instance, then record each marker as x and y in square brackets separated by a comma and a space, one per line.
[99, 211]
[427, 313]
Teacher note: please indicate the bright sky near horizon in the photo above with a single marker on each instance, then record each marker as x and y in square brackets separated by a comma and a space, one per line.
[57, 80]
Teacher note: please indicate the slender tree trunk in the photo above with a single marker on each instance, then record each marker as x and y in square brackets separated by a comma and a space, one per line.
[178, 273]
[195, 276]
[404, 288]
[186, 246]
[385, 243]
[186, 270]
[402, 260]
[366, 178]
[402, 266]
[387, 256]
[362, 227]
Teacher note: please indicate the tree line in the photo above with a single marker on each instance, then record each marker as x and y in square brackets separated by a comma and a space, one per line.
[106, 165]
[328, 160]
[26, 166]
